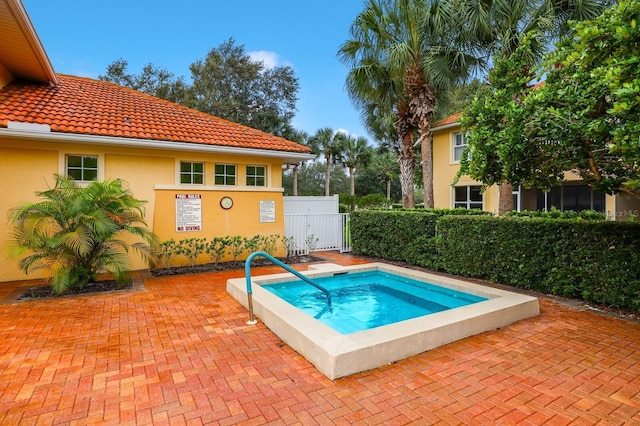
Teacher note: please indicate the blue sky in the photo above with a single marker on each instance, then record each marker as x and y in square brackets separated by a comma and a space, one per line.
[83, 37]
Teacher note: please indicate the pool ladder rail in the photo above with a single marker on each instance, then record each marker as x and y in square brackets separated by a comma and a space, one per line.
[247, 273]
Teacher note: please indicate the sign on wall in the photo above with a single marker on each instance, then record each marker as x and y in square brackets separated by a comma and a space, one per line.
[188, 212]
[267, 211]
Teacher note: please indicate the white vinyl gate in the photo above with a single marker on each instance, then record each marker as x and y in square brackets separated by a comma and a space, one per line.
[313, 232]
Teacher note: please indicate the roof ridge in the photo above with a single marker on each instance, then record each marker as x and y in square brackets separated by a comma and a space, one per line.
[85, 105]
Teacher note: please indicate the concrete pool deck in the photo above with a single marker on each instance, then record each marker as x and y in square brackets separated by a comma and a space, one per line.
[179, 352]
[337, 355]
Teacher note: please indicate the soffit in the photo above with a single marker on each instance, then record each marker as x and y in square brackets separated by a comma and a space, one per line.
[21, 52]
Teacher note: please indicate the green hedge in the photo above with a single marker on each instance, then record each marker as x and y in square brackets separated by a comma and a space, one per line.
[560, 214]
[400, 235]
[596, 261]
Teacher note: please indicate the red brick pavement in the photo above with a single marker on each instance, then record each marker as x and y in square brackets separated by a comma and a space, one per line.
[179, 352]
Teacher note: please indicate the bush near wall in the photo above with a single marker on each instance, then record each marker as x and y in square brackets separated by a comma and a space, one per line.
[596, 261]
[400, 235]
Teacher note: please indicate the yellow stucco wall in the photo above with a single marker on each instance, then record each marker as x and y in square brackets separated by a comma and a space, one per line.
[152, 175]
[20, 169]
[445, 170]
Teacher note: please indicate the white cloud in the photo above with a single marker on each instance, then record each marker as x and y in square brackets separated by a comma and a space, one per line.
[346, 132]
[269, 59]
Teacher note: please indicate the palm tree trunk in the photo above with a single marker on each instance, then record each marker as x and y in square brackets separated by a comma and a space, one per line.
[406, 182]
[406, 171]
[328, 176]
[295, 180]
[352, 181]
[505, 204]
[388, 188]
[426, 149]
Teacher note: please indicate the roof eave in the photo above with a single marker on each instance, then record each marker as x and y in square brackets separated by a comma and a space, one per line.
[31, 37]
[286, 156]
[446, 126]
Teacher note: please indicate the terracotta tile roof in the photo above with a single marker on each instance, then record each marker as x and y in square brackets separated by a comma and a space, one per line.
[92, 107]
[455, 118]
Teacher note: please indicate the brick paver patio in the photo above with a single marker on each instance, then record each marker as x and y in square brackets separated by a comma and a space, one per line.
[179, 352]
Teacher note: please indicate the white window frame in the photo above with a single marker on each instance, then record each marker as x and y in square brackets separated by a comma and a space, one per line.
[458, 144]
[191, 173]
[468, 203]
[254, 176]
[64, 171]
[215, 174]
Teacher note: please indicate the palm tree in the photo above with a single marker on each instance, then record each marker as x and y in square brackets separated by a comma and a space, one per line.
[302, 138]
[75, 233]
[404, 46]
[386, 164]
[325, 142]
[354, 153]
[501, 25]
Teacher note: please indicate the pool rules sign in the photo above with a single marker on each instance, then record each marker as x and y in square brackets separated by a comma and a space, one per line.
[188, 212]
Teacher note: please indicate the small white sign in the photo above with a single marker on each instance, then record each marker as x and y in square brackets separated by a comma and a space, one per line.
[188, 212]
[267, 211]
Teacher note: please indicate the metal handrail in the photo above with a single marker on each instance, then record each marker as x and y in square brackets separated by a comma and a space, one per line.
[247, 273]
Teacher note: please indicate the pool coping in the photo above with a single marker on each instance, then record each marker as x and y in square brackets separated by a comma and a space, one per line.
[336, 355]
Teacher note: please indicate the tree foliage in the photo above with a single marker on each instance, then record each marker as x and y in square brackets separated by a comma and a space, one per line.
[402, 57]
[326, 142]
[227, 83]
[380, 176]
[502, 28]
[497, 150]
[75, 233]
[231, 85]
[311, 180]
[586, 118]
[154, 81]
[354, 153]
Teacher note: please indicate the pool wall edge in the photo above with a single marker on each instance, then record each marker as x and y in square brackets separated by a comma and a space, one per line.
[336, 355]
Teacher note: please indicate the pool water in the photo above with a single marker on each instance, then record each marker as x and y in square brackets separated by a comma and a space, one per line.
[365, 300]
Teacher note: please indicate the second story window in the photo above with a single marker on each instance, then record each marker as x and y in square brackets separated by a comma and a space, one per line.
[459, 145]
[82, 167]
[191, 173]
[225, 174]
[256, 176]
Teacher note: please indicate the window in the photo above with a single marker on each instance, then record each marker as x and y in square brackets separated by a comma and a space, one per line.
[191, 173]
[256, 176]
[459, 145]
[225, 174]
[467, 197]
[82, 167]
[571, 197]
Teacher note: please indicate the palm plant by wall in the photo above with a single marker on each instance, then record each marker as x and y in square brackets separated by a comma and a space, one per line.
[75, 233]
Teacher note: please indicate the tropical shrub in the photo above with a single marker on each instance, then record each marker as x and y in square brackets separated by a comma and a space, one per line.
[166, 251]
[290, 245]
[269, 243]
[252, 244]
[236, 246]
[216, 248]
[75, 233]
[311, 242]
[192, 248]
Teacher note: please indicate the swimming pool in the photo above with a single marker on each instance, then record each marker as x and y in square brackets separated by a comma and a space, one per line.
[336, 354]
[365, 300]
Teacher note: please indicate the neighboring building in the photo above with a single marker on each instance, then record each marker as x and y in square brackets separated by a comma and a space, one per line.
[201, 176]
[448, 146]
